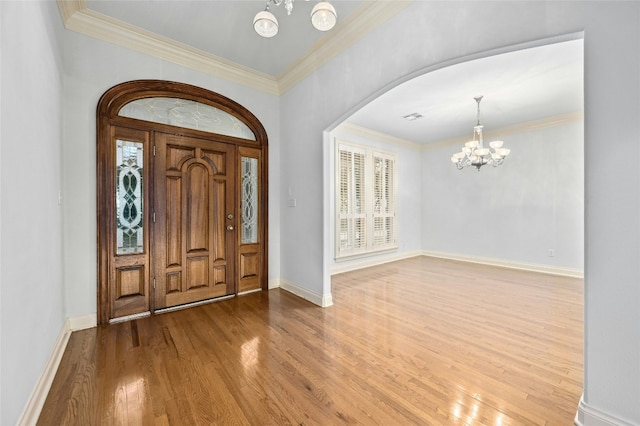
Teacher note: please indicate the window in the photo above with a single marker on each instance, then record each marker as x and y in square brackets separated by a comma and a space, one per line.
[186, 113]
[366, 187]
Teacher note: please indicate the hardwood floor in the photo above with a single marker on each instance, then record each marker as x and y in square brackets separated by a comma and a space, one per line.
[420, 341]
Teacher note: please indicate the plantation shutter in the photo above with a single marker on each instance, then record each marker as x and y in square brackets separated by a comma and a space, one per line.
[366, 190]
[352, 215]
[384, 194]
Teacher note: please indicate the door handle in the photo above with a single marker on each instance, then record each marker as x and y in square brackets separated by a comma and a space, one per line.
[229, 227]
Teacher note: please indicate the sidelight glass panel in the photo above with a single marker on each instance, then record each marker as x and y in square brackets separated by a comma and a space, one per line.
[249, 205]
[187, 113]
[129, 197]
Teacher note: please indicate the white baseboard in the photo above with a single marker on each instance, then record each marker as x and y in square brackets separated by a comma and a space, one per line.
[83, 322]
[274, 283]
[36, 400]
[545, 269]
[34, 405]
[589, 416]
[367, 262]
[323, 300]
[327, 300]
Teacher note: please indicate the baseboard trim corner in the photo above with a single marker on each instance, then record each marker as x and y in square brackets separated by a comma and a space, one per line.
[589, 416]
[83, 322]
[327, 300]
[369, 261]
[274, 283]
[322, 300]
[38, 396]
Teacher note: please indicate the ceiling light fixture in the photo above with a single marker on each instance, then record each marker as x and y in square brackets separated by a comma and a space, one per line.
[323, 17]
[474, 153]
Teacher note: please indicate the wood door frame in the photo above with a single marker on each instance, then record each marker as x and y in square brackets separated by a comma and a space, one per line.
[107, 120]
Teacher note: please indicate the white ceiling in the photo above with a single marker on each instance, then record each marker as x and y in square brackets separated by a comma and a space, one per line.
[225, 28]
[518, 87]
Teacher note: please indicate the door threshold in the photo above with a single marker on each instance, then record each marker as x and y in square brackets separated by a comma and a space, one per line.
[192, 304]
[129, 317]
[255, 290]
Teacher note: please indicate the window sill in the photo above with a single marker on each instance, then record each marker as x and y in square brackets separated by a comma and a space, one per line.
[366, 254]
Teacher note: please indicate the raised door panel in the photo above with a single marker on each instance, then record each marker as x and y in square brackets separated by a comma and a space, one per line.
[197, 183]
[249, 267]
[129, 290]
[173, 221]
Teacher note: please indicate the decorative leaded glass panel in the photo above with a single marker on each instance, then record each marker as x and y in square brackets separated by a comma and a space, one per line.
[129, 197]
[249, 200]
[188, 114]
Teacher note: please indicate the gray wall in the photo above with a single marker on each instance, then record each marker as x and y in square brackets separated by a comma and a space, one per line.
[516, 212]
[429, 33]
[31, 307]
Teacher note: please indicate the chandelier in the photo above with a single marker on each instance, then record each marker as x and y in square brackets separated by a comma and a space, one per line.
[475, 154]
[323, 17]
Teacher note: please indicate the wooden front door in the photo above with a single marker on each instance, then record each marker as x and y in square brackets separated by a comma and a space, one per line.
[194, 229]
[181, 198]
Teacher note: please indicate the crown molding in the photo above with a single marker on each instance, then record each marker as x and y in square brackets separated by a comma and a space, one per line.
[69, 7]
[527, 126]
[77, 17]
[368, 17]
[366, 133]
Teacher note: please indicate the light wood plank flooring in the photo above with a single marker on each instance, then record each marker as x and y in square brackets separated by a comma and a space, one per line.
[420, 341]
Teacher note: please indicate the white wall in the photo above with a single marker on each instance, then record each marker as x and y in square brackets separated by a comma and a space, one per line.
[426, 34]
[409, 167]
[516, 212]
[32, 311]
[1, 226]
[91, 67]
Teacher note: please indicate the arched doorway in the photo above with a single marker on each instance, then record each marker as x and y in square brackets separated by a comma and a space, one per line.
[181, 199]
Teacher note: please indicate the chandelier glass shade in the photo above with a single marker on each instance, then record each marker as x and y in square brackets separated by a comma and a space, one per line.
[474, 153]
[323, 17]
[265, 23]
